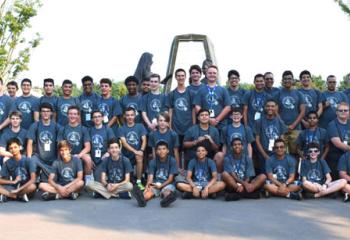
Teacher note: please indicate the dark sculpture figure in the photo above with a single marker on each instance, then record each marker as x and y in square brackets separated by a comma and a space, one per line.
[143, 69]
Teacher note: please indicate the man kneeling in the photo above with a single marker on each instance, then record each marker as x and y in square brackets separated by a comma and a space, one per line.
[66, 179]
[115, 175]
[161, 171]
[317, 180]
[17, 176]
[201, 177]
[280, 169]
[238, 174]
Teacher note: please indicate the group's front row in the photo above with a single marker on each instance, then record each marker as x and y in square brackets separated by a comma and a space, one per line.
[19, 176]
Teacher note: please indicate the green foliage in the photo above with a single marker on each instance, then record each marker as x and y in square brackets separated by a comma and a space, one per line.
[247, 86]
[317, 82]
[345, 7]
[118, 90]
[15, 50]
[343, 84]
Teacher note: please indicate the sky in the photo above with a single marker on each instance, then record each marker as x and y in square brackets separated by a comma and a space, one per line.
[106, 38]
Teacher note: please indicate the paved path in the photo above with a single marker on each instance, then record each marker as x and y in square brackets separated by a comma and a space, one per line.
[90, 219]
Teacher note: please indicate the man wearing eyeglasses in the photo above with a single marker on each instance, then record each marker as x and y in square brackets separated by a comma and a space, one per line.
[89, 101]
[339, 135]
[330, 99]
[280, 169]
[44, 135]
[235, 92]
[100, 136]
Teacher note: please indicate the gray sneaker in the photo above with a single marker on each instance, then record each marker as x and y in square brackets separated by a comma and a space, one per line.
[3, 198]
[73, 196]
[23, 198]
[295, 196]
[46, 196]
[346, 197]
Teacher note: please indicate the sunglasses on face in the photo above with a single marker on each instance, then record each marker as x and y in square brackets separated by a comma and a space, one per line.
[343, 110]
[279, 147]
[313, 151]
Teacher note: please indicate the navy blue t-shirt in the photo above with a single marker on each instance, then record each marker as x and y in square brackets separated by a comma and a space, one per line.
[116, 169]
[132, 101]
[230, 132]
[7, 134]
[23, 168]
[62, 109]
[170, 137]
[312, 97]
[67, 172]
[202, 170]
[5, 107]
[153, 104]
[182, 105]
[243, 167]
[162, 170]
[329, 113]
[307, 136]
[314, 172]
[344, 163]
[281, 168]
[133, 136]
[88, 103]
[76, 136]
[338, 129]
[255, 102]
[27, 106]
[99, 141]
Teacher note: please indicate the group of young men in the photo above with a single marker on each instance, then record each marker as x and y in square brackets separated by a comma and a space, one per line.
[200, 139]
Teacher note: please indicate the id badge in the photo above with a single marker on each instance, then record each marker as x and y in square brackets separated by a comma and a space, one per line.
[345, 142]
[271, 144]
[47, 147]
[211, 113]
[98, 153]
[88, 117]
[274, 176]
[154, 121]
[105, 119]
[257, 116]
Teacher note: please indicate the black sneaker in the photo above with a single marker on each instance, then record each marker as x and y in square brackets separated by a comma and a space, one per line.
[212, 196]
[168, 199]
[46, 196]
[3, 198]
[309, 195]
[252, 195]
[232, 196]
[138, 195]
[73, 196]
[187, 195]
[346, 197]
[295, 196]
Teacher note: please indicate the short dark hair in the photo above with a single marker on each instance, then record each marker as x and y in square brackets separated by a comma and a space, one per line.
[16, 114]
[162, 143]
[313, 145]
[280, 140]
[237, 109]
[259, 75]
[236, 139]
[310, 113]
[11, 141]
[87, 79]
[232, 72]
[96, 111]
[213, 66]
[45, 105]
[304, 72]
[13, 83]
[130, 109]
[180, 70]
[271, 100]
[286, 73]
[267, 73]
[72, 107]
[113, 141]
[49, 80]
[26, 80]
[201, 111]
[106, 80]
[67, 81]
[195, 67]
[330, 76]
[63, 143]
[131, 79]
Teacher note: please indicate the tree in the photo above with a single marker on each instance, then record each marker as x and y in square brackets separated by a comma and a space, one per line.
[15, 50]
[317, 82]
[344, 6]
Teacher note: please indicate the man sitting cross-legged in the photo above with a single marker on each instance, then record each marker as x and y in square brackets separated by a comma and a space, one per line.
[66, 178]
[238, 174]
[115, 174]
[201, 177]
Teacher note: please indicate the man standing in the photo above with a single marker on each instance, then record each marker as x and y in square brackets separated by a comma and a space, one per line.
[65, 102]
[291, 109]
[79, 139]
[89, 101]
[339, 134]
[254, 101]
[133, 98]
[269, 80]
[214, 98]
[49, 97]
[44, 135]
[330, 99]
[12, 88]
[312, 97]
[27, 104]
[153, 103]
[195, 79]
